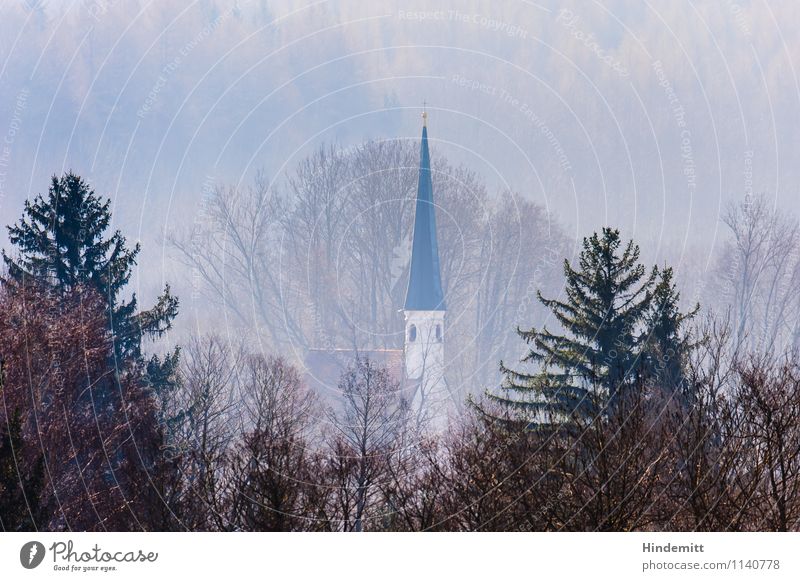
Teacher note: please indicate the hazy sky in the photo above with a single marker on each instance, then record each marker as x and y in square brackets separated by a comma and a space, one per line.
[646, 115]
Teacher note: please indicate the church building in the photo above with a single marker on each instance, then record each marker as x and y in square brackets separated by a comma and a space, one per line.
[419, 368]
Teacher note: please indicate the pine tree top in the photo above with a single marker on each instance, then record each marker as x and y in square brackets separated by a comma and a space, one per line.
[61, 240]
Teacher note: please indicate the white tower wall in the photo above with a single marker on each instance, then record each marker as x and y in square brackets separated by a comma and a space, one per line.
[424, 363]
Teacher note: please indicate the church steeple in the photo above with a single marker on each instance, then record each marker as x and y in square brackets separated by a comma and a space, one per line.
[424, 310]
[425, 282]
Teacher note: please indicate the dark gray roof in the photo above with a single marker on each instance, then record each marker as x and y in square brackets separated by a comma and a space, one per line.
[425, 282]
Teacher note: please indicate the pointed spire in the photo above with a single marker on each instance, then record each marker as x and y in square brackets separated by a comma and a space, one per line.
[425, 282]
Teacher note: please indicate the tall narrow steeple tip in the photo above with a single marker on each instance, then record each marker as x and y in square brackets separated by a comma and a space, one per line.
[424, 114]
[425, 281]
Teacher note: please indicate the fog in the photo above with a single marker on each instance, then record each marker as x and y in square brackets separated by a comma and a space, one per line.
[650, 117]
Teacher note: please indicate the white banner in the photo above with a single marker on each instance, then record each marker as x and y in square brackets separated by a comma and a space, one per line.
[443, 556]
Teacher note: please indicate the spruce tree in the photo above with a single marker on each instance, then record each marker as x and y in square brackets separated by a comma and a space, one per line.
[668, 344]
[61, 241]
[581, 371]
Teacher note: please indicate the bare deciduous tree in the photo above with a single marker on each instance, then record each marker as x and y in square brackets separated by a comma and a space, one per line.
[365, 432]
[768, 397]
[276, 465]
[759, 274]
[206, 404]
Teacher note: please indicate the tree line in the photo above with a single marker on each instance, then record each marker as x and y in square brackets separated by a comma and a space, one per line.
[627, 412]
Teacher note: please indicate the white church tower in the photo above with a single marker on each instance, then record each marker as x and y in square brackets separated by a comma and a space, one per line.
[425, 307]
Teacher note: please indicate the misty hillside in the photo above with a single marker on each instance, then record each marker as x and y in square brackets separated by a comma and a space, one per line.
[336, 265]
[651, 123]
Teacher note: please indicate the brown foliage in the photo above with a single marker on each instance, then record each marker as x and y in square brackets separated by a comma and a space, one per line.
[92, 426]
[255, 453]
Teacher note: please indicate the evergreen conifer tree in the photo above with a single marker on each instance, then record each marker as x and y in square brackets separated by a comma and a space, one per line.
[667, 344]
[580, 372]
[62, 241]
